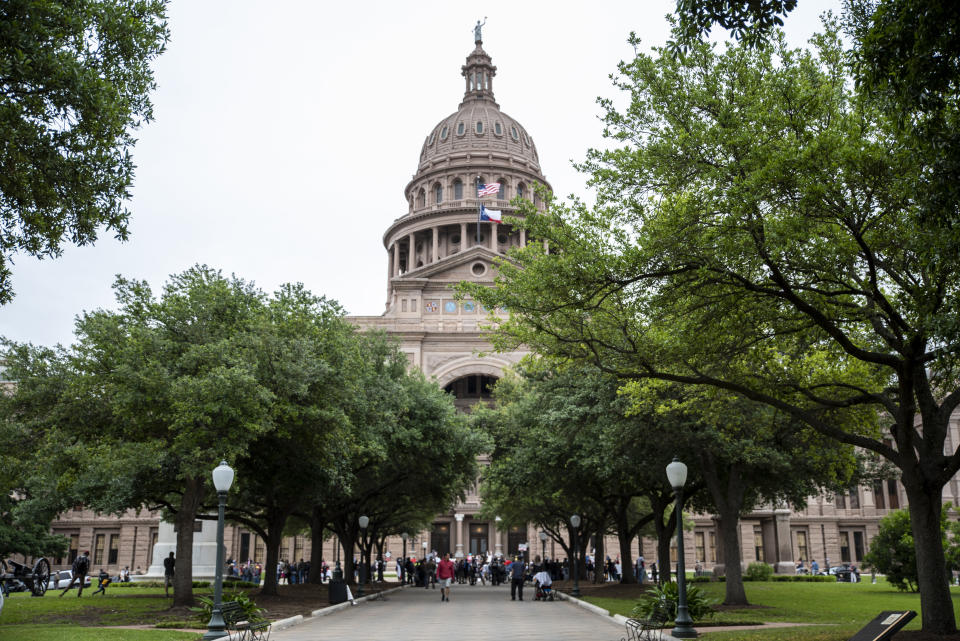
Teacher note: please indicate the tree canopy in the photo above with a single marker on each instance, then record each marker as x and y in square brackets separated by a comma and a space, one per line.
[75, 79]
[757, 230]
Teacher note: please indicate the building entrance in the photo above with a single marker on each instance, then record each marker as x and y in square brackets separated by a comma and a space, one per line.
[515, 536]
[440, 538]
[478, 538]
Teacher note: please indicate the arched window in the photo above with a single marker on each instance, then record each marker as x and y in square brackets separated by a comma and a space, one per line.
[422, 198]
[438, 193]
[502, 194]
[497, 129]
[458, 189]
[520, 190]
[479, 127]
[460, 129]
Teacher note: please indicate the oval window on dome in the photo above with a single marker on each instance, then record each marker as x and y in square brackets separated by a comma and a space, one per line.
[513, 133]
[460, 129]
[479, 127]
[443, 134]
[526, 140]
[496, 129]
[432, 136]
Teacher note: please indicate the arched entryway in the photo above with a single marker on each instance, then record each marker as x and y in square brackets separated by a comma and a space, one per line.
[471, 389]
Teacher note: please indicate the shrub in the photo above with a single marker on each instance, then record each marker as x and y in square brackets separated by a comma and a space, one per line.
[803, 578]
[698, 605]
[758, 572]
[699, 579]
[249, 607]
[892, 552]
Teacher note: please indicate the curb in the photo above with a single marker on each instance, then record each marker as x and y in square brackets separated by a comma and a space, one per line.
[617, 619]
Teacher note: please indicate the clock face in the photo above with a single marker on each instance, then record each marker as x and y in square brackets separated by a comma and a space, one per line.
[450, 307]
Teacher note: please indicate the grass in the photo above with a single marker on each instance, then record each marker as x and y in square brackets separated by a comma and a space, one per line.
[121, 607]
[846, 607]
[74, 633]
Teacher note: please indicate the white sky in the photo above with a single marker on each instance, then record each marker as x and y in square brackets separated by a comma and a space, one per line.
[285, 132]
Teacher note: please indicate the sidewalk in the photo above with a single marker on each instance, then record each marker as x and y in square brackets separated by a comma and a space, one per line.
[473, 613]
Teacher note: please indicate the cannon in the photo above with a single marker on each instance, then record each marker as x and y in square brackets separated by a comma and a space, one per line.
[36, 579]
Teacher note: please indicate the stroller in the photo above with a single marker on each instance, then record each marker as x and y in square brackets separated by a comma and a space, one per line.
[544, 586]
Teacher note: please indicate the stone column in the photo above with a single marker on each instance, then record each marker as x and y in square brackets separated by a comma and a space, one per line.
[523, 237]
[396, 259]
[785, 562]
[436, 244]
[493, 237]
[498, 538]
[463, 236]
[411, 253]
[459, 550]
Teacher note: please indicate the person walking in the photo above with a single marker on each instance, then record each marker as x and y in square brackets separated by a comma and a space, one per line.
[169, 568]
[518, 570]
[103, 580]
[445, 574]
[80, 567]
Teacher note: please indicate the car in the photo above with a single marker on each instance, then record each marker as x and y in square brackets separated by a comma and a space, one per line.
[61, 579]
[846, 573]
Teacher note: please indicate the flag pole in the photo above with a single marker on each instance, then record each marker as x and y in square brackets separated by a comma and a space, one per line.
[479, 209]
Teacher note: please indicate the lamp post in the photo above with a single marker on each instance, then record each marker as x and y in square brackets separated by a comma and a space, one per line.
[403, 561]
[683, 626]
[222, 480]
[364, 522]
[575, 566]
[543, 550]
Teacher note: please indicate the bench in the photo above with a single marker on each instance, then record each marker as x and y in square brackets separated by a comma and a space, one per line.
[650, 629]
[237, 623]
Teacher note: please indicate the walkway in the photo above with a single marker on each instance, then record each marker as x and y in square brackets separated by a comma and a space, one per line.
[473, 613]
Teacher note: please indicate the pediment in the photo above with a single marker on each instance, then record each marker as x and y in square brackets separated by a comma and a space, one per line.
[455, 268]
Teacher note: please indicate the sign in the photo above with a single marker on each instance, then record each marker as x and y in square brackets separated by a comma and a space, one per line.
[522, 547]
[884, 625]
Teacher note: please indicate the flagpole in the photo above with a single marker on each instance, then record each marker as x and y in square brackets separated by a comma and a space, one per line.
[479, 209]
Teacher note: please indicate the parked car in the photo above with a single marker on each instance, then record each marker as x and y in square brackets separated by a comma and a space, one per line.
[62, 578]
[846, 573]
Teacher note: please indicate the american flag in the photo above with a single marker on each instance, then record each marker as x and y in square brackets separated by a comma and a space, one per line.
[488, 190]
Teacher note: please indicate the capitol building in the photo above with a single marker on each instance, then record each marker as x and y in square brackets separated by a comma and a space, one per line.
[440, 241]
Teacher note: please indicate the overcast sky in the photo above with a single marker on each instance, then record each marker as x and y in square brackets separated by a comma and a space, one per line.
[285, 132]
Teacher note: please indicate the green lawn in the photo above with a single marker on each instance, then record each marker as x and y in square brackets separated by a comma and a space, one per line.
[74, 633]
[129, 606]
[845, 606]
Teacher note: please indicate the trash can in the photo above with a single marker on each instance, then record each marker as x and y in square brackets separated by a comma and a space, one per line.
[337, 591]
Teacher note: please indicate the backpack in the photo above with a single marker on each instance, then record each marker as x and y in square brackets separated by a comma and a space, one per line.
[80, 565]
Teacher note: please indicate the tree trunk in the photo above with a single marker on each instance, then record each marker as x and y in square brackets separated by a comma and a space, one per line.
[273, 539]
[665, 533]
[728, 523]
[599, 559]
[184, 518]
[626, 555]
[348, 541]
[317, 527]
[933, 580]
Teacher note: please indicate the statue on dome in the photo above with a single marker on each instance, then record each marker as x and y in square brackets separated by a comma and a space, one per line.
[476, 30]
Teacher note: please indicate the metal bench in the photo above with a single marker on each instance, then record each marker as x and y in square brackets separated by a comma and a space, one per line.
[649, 629]
[237, 623]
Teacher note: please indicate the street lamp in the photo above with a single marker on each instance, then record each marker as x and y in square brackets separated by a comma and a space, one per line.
[403, 561]
[364, 522]
[683, 626]
[575, 567]
[222, 480]
[543, 550]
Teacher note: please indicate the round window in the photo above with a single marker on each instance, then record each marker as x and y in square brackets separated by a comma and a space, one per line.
[460, 129]
[455, 239]
[479, 127]
[502, 239]
[443, 134]
[478, 269]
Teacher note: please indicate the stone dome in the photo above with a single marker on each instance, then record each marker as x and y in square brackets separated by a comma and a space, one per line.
[477, 137]
[479, 127]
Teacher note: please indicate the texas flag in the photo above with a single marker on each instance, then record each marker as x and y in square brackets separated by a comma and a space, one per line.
[490, 215]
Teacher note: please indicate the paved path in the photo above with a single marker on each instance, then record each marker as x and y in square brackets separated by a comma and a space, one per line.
[473, 613]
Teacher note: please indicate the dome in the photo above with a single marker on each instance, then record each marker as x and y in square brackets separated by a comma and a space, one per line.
[478, 132]
[478, 127]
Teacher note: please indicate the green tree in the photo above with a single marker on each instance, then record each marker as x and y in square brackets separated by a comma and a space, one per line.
[75, 79]
[893, 553]
[755, 231]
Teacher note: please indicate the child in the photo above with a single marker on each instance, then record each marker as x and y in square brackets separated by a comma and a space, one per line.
[104, 582]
